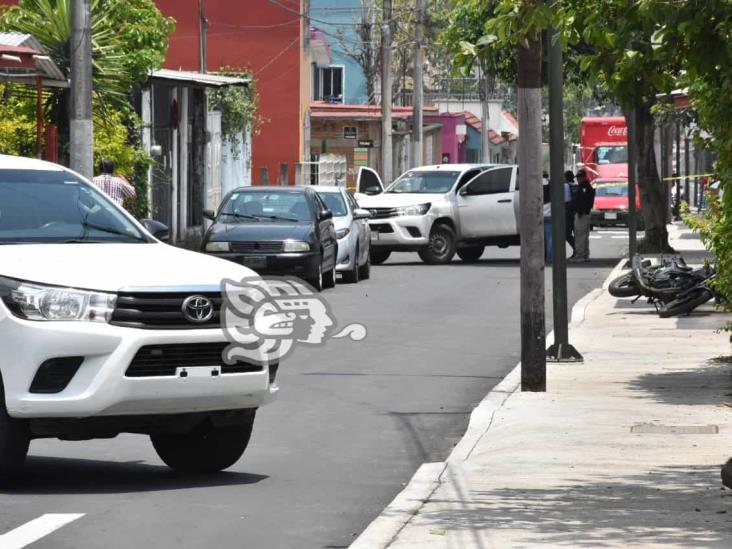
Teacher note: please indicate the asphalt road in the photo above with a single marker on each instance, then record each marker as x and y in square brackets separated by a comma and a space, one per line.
[352, 423]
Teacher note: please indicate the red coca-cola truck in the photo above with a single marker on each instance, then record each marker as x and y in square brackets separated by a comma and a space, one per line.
[604, 147]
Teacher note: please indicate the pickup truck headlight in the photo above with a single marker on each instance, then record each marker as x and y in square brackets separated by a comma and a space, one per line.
[38, 302]
[296, 246]
[218, 246]
[343, 233]
[419, 209]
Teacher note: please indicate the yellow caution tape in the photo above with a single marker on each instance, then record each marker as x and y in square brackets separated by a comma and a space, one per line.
[691, 176]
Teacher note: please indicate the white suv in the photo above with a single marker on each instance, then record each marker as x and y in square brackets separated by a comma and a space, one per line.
[105, 329]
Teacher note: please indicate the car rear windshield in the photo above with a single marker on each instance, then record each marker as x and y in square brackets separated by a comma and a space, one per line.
[424, 182]
[335, 203]
[38, 206]
[274, 206]
[611, 154]
[612, 190]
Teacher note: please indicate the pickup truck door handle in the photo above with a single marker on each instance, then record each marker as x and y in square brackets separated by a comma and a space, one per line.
[505, 201]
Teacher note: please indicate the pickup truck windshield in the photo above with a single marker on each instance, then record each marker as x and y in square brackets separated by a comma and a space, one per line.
[423, 182]
[56, 207]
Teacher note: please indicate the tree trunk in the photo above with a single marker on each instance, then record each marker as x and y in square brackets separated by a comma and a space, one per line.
[533, 336]
[652, 192]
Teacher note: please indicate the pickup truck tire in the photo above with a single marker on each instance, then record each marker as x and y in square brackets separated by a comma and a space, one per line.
[14, 441]
[379, 256]
[471, 254]
[206, 449]
[442, 246]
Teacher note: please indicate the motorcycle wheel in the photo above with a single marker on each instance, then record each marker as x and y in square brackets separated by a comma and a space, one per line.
[685, 304]
[624, 286]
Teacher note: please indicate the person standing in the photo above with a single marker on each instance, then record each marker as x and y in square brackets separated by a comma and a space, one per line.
[582, 204]
[547, 219]
[569, 190]
[115, 187]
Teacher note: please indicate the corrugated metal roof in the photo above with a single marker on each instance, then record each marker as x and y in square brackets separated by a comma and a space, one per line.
[202, 79]
[52, 75]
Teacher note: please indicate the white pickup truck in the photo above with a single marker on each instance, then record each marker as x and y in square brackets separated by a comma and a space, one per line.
[441, 210]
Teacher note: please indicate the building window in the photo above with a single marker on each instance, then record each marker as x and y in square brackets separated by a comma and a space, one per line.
[329, 84]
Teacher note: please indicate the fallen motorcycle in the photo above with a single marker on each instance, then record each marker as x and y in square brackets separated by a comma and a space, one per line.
[690, 299]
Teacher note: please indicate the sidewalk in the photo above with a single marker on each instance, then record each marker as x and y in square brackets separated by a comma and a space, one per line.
[624, 450]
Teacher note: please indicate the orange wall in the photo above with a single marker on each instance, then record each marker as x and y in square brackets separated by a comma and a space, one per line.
[256, 35]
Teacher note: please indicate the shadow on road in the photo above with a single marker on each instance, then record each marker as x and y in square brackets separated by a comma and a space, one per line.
[52, 475]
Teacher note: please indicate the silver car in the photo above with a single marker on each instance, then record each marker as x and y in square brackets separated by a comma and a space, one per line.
[352, 231]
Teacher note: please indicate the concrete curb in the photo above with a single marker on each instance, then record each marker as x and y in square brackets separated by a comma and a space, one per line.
[384, 529]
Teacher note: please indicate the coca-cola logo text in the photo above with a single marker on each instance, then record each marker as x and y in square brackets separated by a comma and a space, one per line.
[616, 131]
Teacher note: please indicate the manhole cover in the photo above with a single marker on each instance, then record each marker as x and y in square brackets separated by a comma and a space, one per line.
[658, 429]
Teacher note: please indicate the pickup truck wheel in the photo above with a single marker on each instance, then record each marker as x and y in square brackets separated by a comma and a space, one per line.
[206, 449]
[379, 256]
[14, 441]
[442, 246]
[471, 254]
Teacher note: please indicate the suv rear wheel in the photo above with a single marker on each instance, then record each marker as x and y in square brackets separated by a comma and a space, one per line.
[14, 441]
[205, 449]
[442, 246]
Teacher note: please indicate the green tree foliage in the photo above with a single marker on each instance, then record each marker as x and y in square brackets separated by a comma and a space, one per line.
[128, 40]
[17, 124]
[239, 107]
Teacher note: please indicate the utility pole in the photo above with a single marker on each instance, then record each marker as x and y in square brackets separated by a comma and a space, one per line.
[533, 336]
[561, 350]
[632, 181]
[202, 37]
[418, 85]
[386, 150]
[81, 127]
[306, 131]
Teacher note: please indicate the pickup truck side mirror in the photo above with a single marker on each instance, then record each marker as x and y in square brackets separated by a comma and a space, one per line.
[157, 229]
[360, 213]
[464, 191]
[372, 190]
[326, 214]
[209, 214]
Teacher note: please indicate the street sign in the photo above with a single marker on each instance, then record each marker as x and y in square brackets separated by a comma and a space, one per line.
[368, 143]
[350, 132]
[360, 157]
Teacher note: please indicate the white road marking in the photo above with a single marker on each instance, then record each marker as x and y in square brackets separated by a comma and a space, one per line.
[620, 237]
[36, 529]
[595, 236]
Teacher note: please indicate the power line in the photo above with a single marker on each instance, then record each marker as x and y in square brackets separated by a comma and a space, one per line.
[276, 57]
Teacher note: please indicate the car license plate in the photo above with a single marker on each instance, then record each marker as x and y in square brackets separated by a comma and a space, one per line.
[611, 215]
[374, 235]
[254, 261]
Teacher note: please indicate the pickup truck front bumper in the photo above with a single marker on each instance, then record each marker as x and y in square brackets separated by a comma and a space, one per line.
[102, 385]
[406, 232]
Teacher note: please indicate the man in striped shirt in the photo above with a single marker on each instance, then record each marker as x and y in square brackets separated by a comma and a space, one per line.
[114, 186]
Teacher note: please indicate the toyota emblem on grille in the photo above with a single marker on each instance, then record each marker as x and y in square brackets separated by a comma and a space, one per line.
[197, 309]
